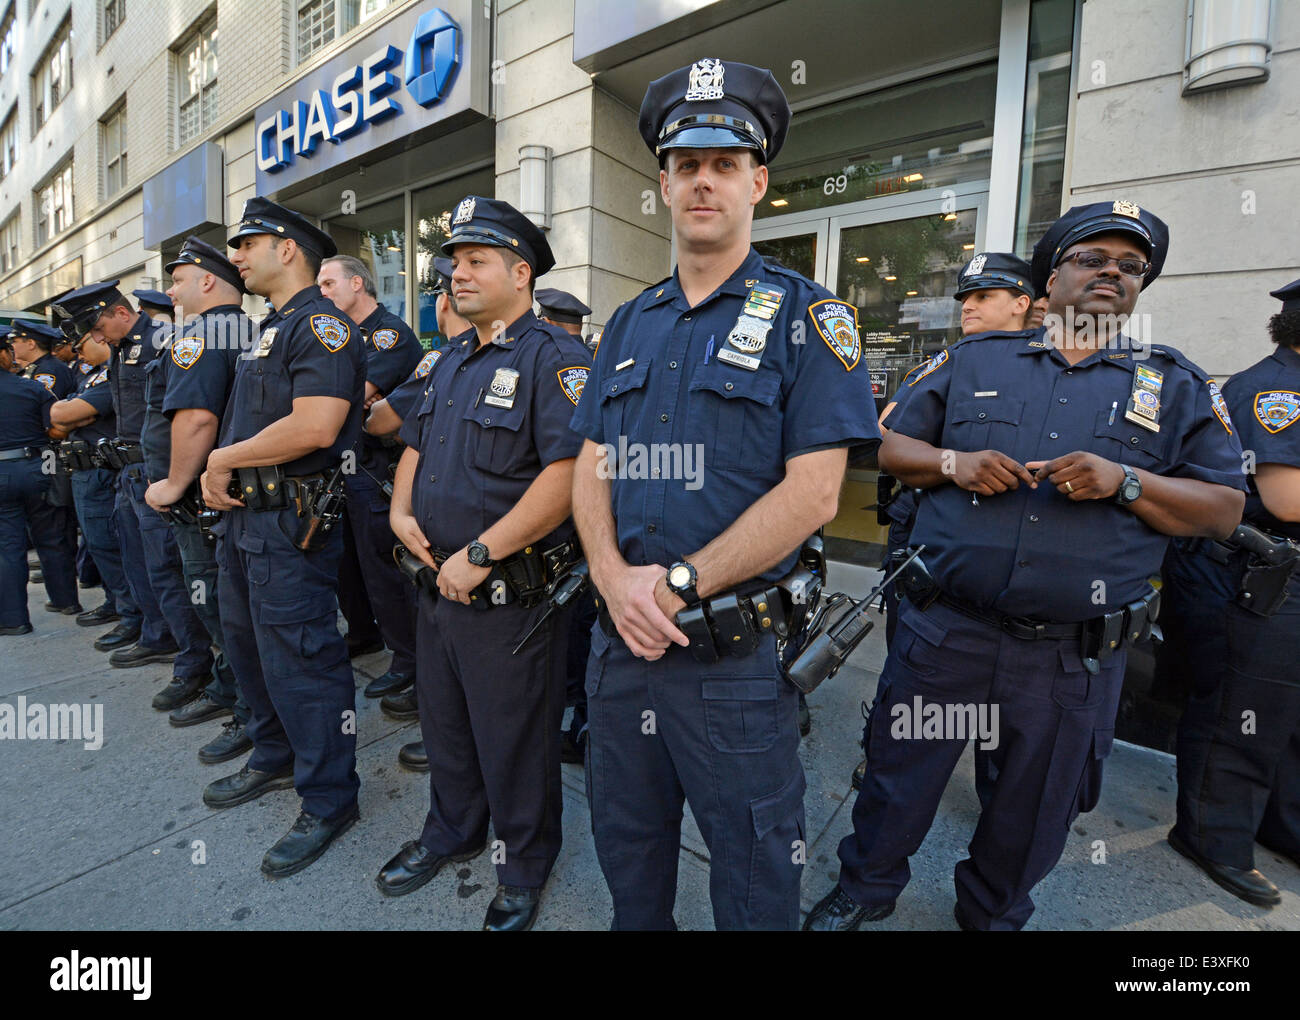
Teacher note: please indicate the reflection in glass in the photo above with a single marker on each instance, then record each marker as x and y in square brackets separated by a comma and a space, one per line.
[376, 235]
[798, 252]
[432, 211]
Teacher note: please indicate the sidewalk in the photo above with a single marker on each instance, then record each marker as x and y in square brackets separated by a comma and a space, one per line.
[109, 839]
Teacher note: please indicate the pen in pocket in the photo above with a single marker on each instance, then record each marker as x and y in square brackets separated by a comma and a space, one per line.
[708, 351]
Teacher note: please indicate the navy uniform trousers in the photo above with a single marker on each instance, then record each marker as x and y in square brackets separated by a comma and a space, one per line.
[93, 495]
[1056, 723]
[279, 613]
[389, 592]
[199, 565]
[723, 738]
[354, 603]
[491, 727]
[154, 629]
[24, 511]
[1238, 774]
[47, 525]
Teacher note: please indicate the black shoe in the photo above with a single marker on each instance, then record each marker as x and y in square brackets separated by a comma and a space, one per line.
[201, 706]
[573, 751]
[960, 918]
[99, 615]
[413, 757]
[26, 628]
[355, 651]
[400, 706]
[1248, 885]
[181, 691]
[389, 683]
[119, 637]
[232, 742]
[73, 610]
[245, 785]
[512, 909]
[139, 655]
[859, 775]
[35, 577]
[305, 842]
[412, 866]
[838, 911]
[805, 718]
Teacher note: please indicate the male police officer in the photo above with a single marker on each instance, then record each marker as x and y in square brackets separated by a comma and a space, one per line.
[188, 392]
[152, 566]
[294, 411]
[754, 370]
[1036, 588]
[392, 351]
[154, 303]
[88, 417]
[1237, 784]
[560, 308]
[483, 496]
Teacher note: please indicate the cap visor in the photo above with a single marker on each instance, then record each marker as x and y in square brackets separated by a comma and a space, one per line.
[704, 136]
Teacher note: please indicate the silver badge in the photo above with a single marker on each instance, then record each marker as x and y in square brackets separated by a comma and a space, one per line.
[503, 386]
[133, 355]
[749, 334]
[264, 344]
[977, 265]
[706, 80]
[464, 212]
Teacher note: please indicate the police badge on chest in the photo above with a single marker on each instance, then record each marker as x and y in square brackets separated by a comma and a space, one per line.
[748, 337]
[502, 388]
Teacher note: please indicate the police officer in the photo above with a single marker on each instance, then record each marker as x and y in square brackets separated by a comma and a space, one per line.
[1056, 463]
[755, 370]
[188, 390]
[24, 421]
[295, 410]
[151, 565]
[560, 308]
[483, 496]
[154, 303]
[392, 351]
[88, 417]
[1239, 784]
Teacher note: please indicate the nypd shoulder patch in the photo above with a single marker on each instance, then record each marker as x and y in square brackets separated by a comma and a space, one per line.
[936, 362]
[837, 322]
[1220, 406]
[572, 380]
[384, 339]
[45, 379]
[426, 363]
[186, 351]
[1277, 409]
[331, 332]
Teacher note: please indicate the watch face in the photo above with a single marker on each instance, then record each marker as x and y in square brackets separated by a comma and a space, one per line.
[679, 576]
[477, 554]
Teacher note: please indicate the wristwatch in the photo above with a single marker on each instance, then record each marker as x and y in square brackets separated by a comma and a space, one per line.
[478, 555]
[681, 582]
[1130, 489]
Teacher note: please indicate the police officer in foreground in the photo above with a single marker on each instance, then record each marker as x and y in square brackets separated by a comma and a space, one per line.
[482, 497]
[24, 421]
[1239, 737]
[757, 369]
[152, 565]
[1057, 463]
[294, 411]
[392, 351]
[54, 525]
[87, 417]
[157, 305]
[188, 392]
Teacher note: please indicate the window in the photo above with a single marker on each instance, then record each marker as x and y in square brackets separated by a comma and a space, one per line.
[196, 73]
[9, 234]
[54, 205]
[7, 40]
[114, 14]
[114, 151]
[52, 79]
[9, 143]
[320, 22]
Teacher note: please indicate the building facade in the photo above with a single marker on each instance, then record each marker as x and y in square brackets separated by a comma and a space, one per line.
[922, 132]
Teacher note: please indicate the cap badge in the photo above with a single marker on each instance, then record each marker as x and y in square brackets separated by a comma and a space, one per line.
[1122, 208]
[464, 212]
[706, 80]
[977, 265]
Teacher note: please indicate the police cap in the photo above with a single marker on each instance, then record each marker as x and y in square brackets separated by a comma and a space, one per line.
[1084, 221]
[47, 337]
[499, 224]
[1289, 296]
[153, 299]
[994, 270]
[561, 306]
[262, 216]
[442, 269]
[199, 253]
[80, 309]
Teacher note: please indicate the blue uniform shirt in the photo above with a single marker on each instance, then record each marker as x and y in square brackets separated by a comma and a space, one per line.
[491, 419]
[126, 374]
[196, 370]
[658, 379]
[408, 395]
[24, 412]
[93, 388]
[53, 374]
[1264, 402]
[306, 349]
[1034, 552]
[392, 349]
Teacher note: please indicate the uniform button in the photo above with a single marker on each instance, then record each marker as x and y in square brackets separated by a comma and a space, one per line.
[650, 528]
[1062, 400]
[1134, 440]
[433, 478]
[672, 364]
[1034, 518]
[449, 403]
[487, 421]
[687, 318]
[982, 416]
[1023, 563]
[663, 417]
[730, 386]
[614, 388]
[1069, 371]
[442, 439]
[1052, 435]
[463, 367]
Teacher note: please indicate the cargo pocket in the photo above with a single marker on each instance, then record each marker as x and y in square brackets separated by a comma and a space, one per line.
[918, 643]
[1074, 687]
[779, 851]
[304, 626]
[257, 563]
[741, 713]
[1089, 792]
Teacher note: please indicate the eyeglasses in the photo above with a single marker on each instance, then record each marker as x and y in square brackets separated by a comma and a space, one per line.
[1096, 260]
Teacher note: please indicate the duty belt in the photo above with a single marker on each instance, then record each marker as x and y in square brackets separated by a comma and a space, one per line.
[521, 578]
[268, 488]
[1262, 564]
[22, 453]
[78, 455]
[118, 453]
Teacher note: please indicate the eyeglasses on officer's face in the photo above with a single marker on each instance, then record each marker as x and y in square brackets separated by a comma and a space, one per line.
[1095, 260]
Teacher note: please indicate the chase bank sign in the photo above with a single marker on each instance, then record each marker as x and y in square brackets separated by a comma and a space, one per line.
[405, 76]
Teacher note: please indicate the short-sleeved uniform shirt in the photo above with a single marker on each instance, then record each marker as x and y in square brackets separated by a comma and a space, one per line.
[1264, 402]
[491, 419]
[195, 370]
[127, 373]
[392, 353]
[24, 412]
[1034, 552]
[702, 427]
[53, 374]
[406, 397]
[306, 349]
[94, 389]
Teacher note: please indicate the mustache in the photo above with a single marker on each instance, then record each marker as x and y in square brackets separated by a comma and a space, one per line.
[1114, 285]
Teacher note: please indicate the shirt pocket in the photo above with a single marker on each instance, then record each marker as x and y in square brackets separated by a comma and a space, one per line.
[495, 439]
[1127, 442]
[735, 415]
[623, 400]
[984, 423]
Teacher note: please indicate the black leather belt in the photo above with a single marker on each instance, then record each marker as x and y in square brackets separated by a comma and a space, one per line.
[1017, 626]
[21, 453]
